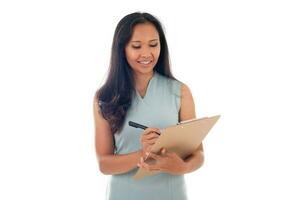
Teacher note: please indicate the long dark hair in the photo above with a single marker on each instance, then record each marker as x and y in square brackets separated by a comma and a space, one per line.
[115, 96]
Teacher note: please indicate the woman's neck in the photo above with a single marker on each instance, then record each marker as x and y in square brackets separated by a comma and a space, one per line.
[142, 80]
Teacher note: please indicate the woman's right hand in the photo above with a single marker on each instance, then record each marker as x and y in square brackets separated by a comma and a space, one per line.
[148, 138]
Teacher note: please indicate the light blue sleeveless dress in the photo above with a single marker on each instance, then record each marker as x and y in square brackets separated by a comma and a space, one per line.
[159, 108]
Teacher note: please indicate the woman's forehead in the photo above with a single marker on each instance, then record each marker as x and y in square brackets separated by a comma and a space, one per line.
[144, 32]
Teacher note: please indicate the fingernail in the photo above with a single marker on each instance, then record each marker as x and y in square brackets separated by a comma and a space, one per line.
[147, 154]
[138, 165]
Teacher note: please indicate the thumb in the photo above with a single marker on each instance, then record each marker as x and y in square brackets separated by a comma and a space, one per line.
[164, 151]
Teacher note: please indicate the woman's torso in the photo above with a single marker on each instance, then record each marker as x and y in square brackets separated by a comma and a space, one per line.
[158, 108]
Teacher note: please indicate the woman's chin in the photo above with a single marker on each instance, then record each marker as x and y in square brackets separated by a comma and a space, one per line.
[144, 70]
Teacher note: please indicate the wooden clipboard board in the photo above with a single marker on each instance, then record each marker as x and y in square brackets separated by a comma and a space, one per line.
[182, 139]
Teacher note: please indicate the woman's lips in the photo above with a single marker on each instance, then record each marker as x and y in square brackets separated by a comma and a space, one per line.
[145, 62]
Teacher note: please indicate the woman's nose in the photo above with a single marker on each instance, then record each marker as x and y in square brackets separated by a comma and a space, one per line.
[146, 57]
[145, 53]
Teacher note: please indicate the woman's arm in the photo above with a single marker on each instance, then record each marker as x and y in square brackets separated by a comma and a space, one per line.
[108, 162]
[186, 112]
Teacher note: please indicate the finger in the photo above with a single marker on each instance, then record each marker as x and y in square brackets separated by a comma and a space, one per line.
[172, 154]
[145, 140]
[168, 153]
[149, 140]
[151, 135]
[150, 167]
[148, 148]
[149, 130]
[164, 151]
[142, 165]
[153, 155]
[152, 141]
[141, 161]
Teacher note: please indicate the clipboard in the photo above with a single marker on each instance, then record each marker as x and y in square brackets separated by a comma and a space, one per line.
[182, 139]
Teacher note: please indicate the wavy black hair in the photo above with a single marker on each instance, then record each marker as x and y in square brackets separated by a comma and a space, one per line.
[115, 95]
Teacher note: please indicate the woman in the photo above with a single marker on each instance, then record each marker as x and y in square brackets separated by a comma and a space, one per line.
[140, 87]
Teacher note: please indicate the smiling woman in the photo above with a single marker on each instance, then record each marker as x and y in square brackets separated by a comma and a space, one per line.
[140, 87]
[143, 49]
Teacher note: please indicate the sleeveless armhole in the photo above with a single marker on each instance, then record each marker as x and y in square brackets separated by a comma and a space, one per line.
[177, 92]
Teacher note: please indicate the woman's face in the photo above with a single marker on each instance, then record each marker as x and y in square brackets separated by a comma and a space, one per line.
[143, 49]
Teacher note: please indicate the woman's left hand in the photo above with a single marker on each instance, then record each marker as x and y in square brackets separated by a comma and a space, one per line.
[168, 162]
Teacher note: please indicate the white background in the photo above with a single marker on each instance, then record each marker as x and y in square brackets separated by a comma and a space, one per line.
[239, 58]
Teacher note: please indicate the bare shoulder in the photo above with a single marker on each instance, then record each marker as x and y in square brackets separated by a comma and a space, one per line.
[187, 107]
[185, 91]
[100, 121]
[96, 109]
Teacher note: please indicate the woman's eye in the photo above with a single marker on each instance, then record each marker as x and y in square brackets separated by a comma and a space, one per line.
[136, 47]
[153, 45]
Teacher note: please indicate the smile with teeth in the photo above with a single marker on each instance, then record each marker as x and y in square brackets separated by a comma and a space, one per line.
[145, 62]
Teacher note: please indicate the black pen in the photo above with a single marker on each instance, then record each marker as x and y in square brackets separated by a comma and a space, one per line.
[136, 125]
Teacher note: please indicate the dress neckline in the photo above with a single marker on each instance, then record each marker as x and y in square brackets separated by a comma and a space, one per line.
[148, 89]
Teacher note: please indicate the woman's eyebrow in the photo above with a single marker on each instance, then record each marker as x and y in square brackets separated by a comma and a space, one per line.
[140, 41]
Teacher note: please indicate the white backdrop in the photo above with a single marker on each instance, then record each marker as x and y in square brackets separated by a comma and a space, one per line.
[239, 58]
